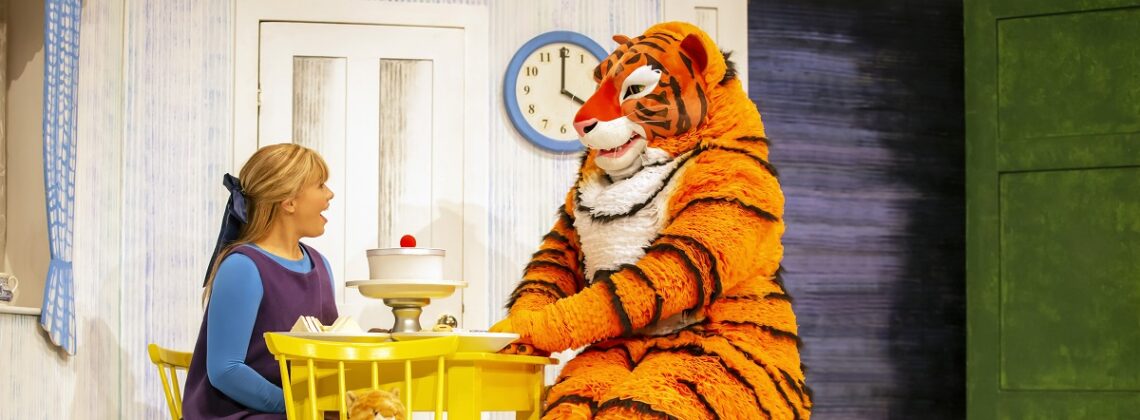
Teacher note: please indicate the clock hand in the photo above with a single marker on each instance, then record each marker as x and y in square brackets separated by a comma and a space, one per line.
[571, 96]
[564, 53]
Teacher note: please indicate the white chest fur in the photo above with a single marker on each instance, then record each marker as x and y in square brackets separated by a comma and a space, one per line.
[616, 221]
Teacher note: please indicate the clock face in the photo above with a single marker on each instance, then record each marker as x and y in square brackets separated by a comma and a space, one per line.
[547, 81]
[553, 82]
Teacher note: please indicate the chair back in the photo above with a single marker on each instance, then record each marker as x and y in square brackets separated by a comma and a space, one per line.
[169, 362]
[317, 357]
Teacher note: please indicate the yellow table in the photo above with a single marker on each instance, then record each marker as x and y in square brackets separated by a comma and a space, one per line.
[474, 382]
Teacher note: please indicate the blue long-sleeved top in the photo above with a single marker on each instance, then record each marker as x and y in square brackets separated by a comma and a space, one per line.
[234, 301]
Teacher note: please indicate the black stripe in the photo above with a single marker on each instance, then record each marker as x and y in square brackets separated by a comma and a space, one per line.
[564, 216]
[543, 283]
[778, 278]
[665, 34]
[779, 296]
[645, 112]
[767, 328]
[549, 264]
[764, 367]
[651, 44]
[688, 64]
[755, 138]
[784, 395]
[695, 350]
[598, 73]
[693, 387]
[659, 301]
[573, 399]
[656, 65]
[619, 307]
[548, 251]
[663, 37]
[661, 98]
[634, 405]
[667, 124]
[796, 385]
[755, 210]
[729, 68]
[605, 218]
[628, 357]
[810, 394]
[763, 163]
[683, 123]
[692, 267]
[704, 105]
[557, 237]
[755, 298]
[689, 240]
[632, 58]
[518, 293]
[600, 274]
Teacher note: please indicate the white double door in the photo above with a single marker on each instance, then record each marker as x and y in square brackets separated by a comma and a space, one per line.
[384, 106]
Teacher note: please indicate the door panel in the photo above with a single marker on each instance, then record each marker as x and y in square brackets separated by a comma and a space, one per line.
[1070, 307]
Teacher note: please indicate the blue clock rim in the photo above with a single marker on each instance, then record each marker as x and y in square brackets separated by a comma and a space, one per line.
[517, 119]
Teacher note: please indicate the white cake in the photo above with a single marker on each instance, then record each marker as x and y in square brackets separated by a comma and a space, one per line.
[404, 264]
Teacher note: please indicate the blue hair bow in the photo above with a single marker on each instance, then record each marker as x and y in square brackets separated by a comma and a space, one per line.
[235, 216]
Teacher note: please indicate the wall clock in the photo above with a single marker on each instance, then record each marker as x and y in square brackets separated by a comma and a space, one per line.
[548, 79]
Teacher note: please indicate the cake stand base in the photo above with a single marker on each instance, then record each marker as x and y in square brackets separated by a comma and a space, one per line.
[407, 312]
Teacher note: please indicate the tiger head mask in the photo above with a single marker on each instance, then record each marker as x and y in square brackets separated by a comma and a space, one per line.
[653, 96]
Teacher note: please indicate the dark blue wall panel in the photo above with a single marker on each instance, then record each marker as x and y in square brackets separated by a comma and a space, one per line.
[863, 105]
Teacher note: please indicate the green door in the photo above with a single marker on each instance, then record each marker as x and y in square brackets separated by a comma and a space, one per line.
[1053, 209]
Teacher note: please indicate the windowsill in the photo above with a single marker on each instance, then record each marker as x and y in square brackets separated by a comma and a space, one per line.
[19, 310]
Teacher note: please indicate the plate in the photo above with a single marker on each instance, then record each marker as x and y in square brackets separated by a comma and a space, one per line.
[398, 288]
[468, 341]
[341, 336]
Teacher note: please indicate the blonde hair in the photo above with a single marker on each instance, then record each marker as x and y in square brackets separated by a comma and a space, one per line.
[272, 175]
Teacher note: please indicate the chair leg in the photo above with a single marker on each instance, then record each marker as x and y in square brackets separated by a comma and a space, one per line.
[169, 398]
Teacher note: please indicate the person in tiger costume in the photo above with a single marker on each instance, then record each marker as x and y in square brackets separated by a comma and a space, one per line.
[665, 257]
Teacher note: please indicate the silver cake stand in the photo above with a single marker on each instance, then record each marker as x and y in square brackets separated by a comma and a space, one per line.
[407, 298]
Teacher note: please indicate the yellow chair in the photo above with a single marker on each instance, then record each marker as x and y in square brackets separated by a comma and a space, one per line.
[169, 362]
[314, 354]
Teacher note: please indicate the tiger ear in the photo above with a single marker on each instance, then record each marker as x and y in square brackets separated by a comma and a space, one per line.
[694, 47]
[351, 398]
[621, 39]
[396, 392]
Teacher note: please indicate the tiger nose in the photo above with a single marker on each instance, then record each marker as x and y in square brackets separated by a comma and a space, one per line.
[585, 126]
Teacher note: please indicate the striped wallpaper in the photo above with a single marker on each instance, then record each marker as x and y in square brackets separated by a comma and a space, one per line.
[154, 138]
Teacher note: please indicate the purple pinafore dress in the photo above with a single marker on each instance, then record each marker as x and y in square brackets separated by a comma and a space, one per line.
[287, 296]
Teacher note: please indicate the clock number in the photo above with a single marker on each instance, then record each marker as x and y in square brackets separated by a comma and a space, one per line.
[563, 129]
[531, 70]
[526, 90]
[530, 109]
[582, 58]
[544, 57]
[545, 122]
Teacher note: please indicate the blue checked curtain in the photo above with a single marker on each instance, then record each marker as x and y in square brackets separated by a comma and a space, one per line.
[61, 81]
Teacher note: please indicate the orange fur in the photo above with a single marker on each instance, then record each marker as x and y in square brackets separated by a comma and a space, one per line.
[715, 260]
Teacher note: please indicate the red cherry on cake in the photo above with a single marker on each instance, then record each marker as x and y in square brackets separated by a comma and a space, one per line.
[407, 241]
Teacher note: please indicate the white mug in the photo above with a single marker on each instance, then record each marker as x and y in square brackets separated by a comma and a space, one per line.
[8, 285]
